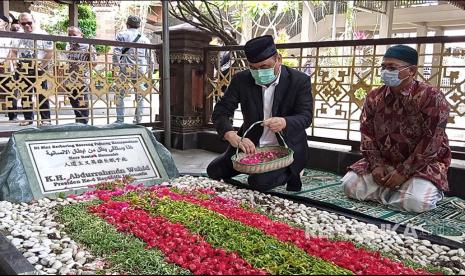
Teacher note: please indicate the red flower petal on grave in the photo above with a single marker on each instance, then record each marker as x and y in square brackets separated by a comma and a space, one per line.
[341, 253]
[174, 240]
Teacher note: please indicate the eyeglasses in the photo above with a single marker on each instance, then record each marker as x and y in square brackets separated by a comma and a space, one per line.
[392, 68]
[26, 23]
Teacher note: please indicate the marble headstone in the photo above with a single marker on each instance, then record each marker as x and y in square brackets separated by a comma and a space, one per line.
[69, 158]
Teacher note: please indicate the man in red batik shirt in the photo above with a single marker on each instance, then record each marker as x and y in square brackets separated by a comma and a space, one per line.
[404, 144]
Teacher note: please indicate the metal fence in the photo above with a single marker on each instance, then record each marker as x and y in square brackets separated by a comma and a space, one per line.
[343, 72]
[44, 75]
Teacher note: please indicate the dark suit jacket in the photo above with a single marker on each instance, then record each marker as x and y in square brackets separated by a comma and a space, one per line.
[292, 100]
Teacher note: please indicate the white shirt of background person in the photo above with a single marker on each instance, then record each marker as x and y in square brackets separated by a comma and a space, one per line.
[5, 42]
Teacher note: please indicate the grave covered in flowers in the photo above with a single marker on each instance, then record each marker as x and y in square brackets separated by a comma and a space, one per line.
[201, 226]
[180, 230]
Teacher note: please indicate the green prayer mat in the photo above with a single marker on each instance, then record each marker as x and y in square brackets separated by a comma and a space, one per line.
[447, 220]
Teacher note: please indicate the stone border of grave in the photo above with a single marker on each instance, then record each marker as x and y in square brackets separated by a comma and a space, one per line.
[419, 250]
[398, 228]
[349, 214]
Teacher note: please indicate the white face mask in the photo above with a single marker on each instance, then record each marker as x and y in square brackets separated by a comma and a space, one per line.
[391, 78]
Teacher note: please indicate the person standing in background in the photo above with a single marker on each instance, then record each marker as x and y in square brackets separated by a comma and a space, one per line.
[5, 44]
[81, 58]
[12, 114]
[32, 56]
[132, 63]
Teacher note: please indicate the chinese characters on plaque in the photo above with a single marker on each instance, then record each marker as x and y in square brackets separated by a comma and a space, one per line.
[80, 162]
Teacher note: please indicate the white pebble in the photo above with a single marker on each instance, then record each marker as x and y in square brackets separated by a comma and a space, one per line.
[46, 242]
[57, 265]
[461, 252]
[16, 242]
[36, 228]
[66, 257]
[54, 246]
[43, 254]
[67, 250]
[80, 255]
[45, 261]
[37, 249]
[65, 240]
[426, 242]
[81, 261]
[28, 254]
[33, 259]
[64, 271]
[70, 264]
[50, 270]
[28, 244]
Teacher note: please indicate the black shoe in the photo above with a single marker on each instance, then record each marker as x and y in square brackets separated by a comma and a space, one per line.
[294, 184]
[261, 184]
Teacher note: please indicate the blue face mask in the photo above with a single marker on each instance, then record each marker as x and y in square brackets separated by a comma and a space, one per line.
[264, 76]
[391, 78]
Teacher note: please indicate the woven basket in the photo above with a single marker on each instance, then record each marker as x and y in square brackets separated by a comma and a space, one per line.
[273, 165]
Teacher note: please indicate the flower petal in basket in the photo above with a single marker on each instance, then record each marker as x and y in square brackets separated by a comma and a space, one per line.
[267, 166]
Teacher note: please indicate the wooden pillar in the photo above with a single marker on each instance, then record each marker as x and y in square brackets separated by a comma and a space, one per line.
[188, 75]
[73, 14]
[5, 8]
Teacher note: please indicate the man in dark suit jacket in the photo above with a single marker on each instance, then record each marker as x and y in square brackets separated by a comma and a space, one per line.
[276, 94]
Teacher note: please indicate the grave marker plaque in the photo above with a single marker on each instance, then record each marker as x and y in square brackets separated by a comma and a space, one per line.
[70, 161]
[76, 163]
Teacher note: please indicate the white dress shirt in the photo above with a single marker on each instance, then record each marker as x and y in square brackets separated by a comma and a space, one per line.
[268, 137]
[26, 47]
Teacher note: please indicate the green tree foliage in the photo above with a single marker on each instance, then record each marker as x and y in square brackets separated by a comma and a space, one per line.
[87, 22]
[245, 19]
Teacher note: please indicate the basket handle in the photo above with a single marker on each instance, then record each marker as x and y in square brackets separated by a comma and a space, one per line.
[250, 128]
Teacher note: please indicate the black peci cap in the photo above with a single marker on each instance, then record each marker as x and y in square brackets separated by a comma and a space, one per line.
[260, 48]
